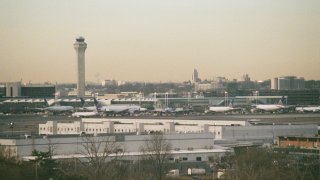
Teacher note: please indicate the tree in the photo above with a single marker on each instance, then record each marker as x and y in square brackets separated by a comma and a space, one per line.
[13, 169]
[48, 167]
[258, 163]
[103, 158]
[156, 151]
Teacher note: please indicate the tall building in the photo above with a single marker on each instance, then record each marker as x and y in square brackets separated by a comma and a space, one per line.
[274, 83]
[246, 78]
[38, 91]
[13, 89]
[287, 83]
[195, 76]
[80, 46]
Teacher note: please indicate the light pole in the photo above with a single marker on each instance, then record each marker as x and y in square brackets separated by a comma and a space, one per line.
[166, 99]
[225, 98]
[257, 97]
[155, 98]
[11, 127]
[189, 95]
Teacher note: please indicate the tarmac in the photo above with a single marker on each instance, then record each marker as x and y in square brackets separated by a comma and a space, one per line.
[29, 122]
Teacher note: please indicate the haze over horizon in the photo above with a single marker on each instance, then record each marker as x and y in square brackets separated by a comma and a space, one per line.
[152, 40]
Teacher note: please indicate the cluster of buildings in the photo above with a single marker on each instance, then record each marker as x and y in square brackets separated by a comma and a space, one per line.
[289, 86]
[220, 83]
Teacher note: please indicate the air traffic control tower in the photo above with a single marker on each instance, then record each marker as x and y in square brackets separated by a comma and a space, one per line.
[80, 46]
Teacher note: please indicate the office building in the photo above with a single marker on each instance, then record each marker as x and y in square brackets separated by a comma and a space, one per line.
[38, 91]
[195, 76]
[13, 89]
[287, 83]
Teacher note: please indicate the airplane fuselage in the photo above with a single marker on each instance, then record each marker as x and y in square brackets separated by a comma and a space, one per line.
[84, 114]
[120, 108]
[221, 108]
[59, 108]
[308, 109]
[269, 107]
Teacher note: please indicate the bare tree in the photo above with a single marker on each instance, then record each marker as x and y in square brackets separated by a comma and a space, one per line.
[103, 155]
[257, 163]
[156, 151]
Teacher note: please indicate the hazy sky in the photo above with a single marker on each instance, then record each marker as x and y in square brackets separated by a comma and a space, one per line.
[159, 40]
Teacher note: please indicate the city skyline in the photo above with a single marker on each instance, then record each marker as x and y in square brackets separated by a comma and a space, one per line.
[154, 41]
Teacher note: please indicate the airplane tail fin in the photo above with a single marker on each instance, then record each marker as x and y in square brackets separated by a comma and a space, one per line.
[281, 101]
[47, 104]
[231, 103]
[82, 101]
[95, 101]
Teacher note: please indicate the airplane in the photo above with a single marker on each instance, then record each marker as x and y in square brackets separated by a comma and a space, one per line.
[183, 110]
[162, 111]
[87, 108]
[85, 114]
[58, 108]
[222, 109]
[270, 107]
[55, 108]
[87, 111]
[118, 109]
[308, 109]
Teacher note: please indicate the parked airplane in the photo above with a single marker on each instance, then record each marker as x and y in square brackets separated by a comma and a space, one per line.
[308, 109]
[183, 110]
[55, 108]
[88, 111]
[118, 109]
[270, 107]
[85, 114]
[222, 109]
[87, 108]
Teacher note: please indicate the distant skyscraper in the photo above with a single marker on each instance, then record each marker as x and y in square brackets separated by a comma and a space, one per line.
[275, 83]
[246, 78]
[195, 76]
[80, 46]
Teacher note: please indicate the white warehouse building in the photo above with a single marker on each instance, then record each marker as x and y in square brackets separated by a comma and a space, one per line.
[221, 130]
[188, 147]
[102, 126]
